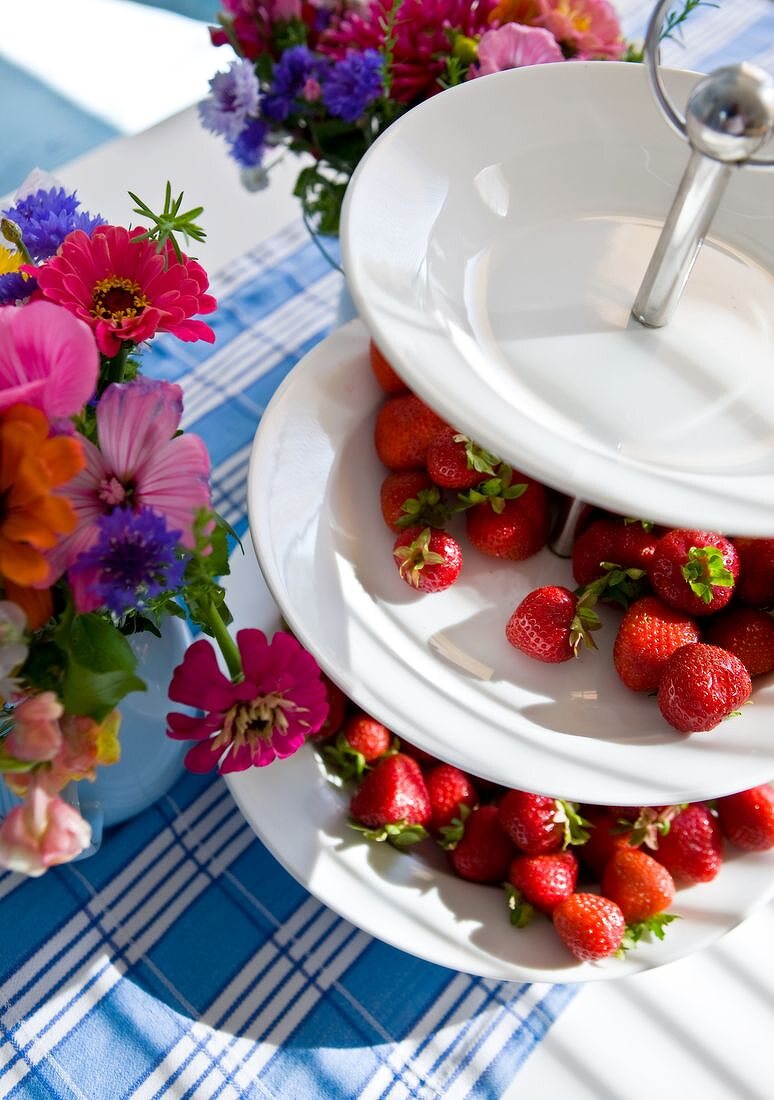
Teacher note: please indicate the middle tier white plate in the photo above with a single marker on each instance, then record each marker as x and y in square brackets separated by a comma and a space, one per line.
[437, 669]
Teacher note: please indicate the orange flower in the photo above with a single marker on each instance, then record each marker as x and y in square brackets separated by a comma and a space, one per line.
[32, 516]
[515, 11]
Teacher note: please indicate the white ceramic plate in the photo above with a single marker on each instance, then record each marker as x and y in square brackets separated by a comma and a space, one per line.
[437, 669]
[494, 240]
[412, 900]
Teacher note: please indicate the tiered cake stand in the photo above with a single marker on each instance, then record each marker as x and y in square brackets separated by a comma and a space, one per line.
[494, 240]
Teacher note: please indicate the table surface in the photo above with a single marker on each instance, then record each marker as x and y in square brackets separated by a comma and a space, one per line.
[698, 1026]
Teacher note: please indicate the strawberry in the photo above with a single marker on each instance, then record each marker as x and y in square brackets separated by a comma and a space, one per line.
[746, 819]
[450, 789]
[537, 823]
[630, 545]
[337, 708]
[404, 429]
[606, 835]
[755, 585]
[456, 462]
[360, 742]
[485, 851]
[426, 559]
[648, 635]
[748, 633]
[408, 498]
[392, 802]
[640, 885]
[692, 849]
[694, 571]
[384, 374]
[424, 759]
[590, 926]
[550, 624]
[700, 686]
[508, 516]
[540, 882]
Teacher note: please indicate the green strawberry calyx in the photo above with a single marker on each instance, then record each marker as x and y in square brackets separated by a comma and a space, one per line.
[576, 827]
[413, 558]
[650, 825]
[426, 509]
[495, 491]
[347, 762]
[520, 910]
[645, 929]
[619, 585]
[401, 834]
[704, 570]
[450, 835]
[645, 524]
[477, 458]
[584, 622]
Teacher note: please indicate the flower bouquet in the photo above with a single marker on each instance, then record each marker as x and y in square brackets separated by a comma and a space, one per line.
[326, 77]
[106, 524]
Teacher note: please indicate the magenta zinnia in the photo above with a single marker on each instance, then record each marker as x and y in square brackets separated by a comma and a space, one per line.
[266, 715]
[126, 289]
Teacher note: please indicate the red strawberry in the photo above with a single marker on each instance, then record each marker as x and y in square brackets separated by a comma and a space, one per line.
[408, 498]
[384, 374]
[360, 742]
[748, 633]
[692, 850]
[755, 585]
[337, 708]
[694, 571]
[485, 851]
[606, 835]
[640, 885]
[590, 926]
[550, 624]
[428, 560]
[607, 540]
[404, 429]
[648, 635]
[456, 462]
[392, 802]
[505, 525]
[537, 823]
[425, 759]
[700, 686]
[449, 789]
[746, 819]
[540, 881]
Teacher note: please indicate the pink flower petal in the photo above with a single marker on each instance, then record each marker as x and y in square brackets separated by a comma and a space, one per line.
[198, 681]
[202, 757]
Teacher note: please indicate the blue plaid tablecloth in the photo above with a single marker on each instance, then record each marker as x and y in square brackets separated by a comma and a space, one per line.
[181, 960]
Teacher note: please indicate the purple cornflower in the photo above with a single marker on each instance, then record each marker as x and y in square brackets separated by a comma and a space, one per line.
[247, 150]
[134, 559]
[354, 83]
[233, 99]
[291, 73]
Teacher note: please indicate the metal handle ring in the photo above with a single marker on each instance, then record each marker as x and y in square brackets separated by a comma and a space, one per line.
[675, 120]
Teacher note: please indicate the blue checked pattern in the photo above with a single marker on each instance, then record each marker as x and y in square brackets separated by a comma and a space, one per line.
[182, 961]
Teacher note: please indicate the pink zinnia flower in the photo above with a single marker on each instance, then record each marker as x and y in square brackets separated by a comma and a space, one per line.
[48, 359]
[267, 715]
[125, 289]
[513, 46]
[421, 43]
[41, 833]
[588, 28]
[140, 462]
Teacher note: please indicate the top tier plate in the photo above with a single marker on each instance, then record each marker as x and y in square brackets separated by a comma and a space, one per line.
[494, 240]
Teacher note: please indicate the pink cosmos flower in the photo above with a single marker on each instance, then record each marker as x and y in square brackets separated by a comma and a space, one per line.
[41, 833]
[124, 289]
[267, 715]
[48, 359]
[514, 45]
[139, 463]
[36, 734]
[589, 28]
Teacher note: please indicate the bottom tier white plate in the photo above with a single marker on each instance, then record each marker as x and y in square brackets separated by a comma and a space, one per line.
[411, 900]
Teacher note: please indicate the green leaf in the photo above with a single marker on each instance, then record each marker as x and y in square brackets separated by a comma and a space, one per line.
[99, 665]
[520, 910]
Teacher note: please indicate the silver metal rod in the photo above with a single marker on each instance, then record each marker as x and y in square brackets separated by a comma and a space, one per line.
[571, 511]
[693, 209]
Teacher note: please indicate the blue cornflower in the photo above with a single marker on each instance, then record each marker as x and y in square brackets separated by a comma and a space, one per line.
[294, 68]
[233, 99]
[134, 558]
[45, 217]
[353, 84]
[247, 150]
[14, 287]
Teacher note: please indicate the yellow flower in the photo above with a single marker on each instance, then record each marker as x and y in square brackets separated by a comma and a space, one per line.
[10, 261]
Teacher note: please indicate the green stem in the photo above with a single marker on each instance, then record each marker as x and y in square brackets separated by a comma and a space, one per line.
[226, 643]
[115, 368]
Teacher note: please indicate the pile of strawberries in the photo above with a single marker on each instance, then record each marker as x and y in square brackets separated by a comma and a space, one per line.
[604, 876]
[696, 625]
